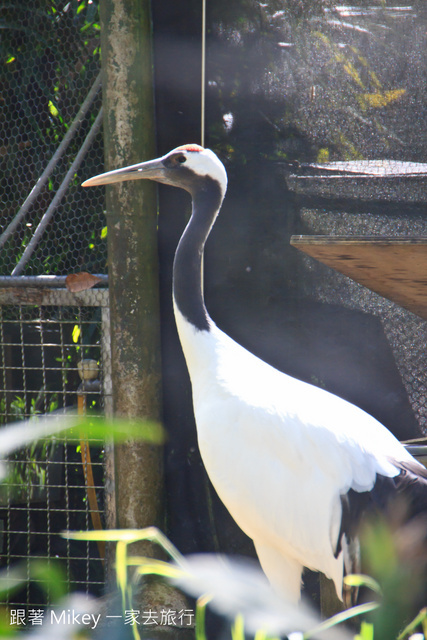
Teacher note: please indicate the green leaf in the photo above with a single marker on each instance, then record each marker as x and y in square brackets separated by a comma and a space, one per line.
[360, 580]
[366, 631]
[238, 628]
[127, 536]
[201, 605]
[343, 616]
[419, 620]
[76, 333]
[53, 110]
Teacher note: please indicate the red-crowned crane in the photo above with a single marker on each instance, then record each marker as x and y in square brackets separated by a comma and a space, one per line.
[295, 465]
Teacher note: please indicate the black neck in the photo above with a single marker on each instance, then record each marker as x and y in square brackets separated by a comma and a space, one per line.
[187, 268]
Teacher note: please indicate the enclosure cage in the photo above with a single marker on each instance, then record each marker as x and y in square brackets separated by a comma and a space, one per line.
[50, 139]
[45, 338]
[375, 203]
[341, 83]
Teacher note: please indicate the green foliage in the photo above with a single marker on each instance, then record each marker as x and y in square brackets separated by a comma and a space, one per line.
[44, 33]
[147, 566]
[390, 572]
[366, 631]
[395, 557]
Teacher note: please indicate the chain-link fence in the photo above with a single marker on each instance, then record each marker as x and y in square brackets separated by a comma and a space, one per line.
[47, 339]
[359, 81]
[363, 199]
[50, 140]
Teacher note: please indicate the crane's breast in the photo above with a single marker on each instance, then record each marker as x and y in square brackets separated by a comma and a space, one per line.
[278, 451]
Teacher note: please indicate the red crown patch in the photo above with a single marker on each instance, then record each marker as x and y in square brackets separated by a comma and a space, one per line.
[190, 147]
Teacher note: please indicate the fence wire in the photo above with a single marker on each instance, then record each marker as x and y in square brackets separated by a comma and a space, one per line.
[50, 141]
[42, 352]
[50, 68]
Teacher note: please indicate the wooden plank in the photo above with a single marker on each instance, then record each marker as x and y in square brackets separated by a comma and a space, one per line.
[396, 268]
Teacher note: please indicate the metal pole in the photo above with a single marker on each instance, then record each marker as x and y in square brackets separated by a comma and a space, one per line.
[41, 281]
[53, 161]
[203, 77]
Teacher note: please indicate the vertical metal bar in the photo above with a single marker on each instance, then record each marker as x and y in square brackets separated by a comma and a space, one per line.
[25, 455]
[3, 368]
[64, 404]
[42, 322]
[106, 362]
[23, 367]
[8, 533]
[63, 356]
[84, 447]
[203, 77]
[110, 505]
[7, 498]
[43, 361]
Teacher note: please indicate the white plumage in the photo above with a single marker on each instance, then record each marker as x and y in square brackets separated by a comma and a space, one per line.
[287, 459]
[280, 453]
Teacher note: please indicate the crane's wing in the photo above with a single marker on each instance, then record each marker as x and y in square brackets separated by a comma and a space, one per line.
[296, 466]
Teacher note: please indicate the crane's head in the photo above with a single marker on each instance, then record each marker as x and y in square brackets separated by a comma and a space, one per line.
[187, 167]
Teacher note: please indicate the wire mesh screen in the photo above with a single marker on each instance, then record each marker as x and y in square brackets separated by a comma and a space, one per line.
[378, 200]
[370, 178]
[50, 138]
[405, 332]
[56, 485]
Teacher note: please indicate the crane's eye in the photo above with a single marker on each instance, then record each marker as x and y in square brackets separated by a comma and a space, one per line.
[181, 159]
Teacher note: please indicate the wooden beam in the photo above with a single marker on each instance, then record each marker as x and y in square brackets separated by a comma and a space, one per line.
[396, 268]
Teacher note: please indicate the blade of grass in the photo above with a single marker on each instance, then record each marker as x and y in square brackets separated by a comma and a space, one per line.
[201, 605]
[416, 622]
[341, 617]
[151, 534]
[98, 428]
[159, 568]
[238, 628]
[135, 631]
[121, 570]
[361, 580]
[366, 631]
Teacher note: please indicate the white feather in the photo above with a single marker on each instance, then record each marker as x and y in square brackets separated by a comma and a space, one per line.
[204, 162]
[280, 452]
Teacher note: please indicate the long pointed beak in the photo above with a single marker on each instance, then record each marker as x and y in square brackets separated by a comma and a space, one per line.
[151, 170]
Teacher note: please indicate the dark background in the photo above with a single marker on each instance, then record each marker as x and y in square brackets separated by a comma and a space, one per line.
[298, 79]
